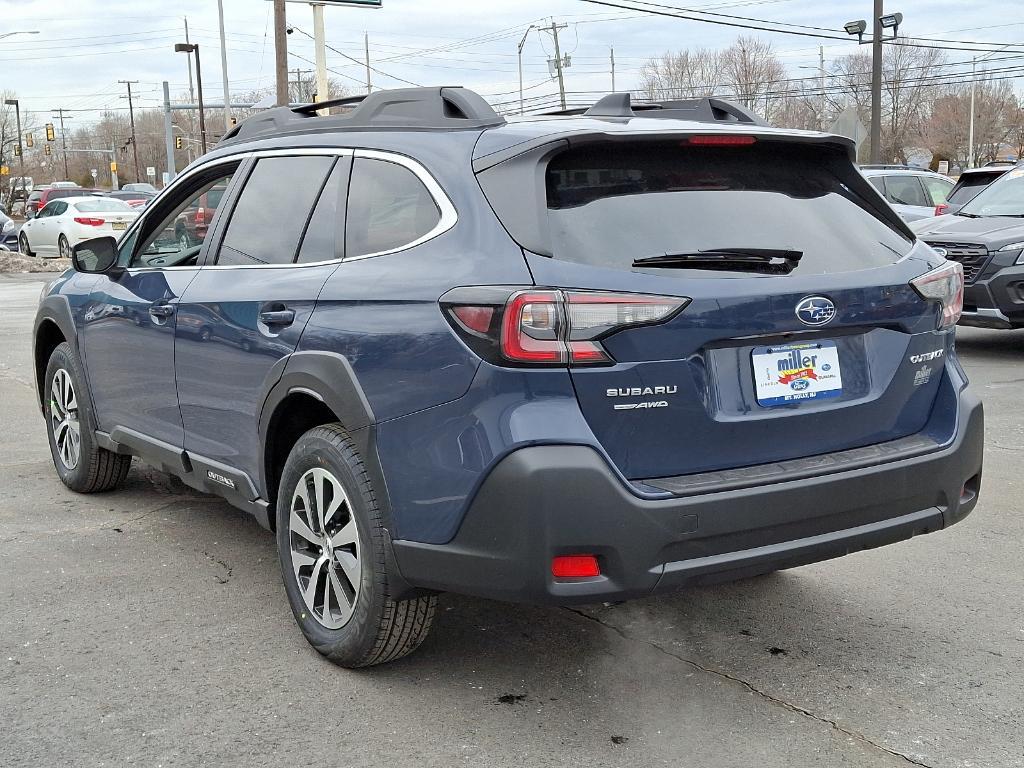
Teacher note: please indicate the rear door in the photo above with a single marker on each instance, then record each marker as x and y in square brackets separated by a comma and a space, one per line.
[803, 350]
[249, 304]
[908, 197]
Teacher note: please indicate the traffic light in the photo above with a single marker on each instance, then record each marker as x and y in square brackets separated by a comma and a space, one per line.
[17, 151]
[178, 142]
[113, 167]
[50, 135]
[30, 140]
[48, 149]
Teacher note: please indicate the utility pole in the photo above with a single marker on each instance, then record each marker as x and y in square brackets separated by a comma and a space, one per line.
[553, 29]
[21, 149]
[519, 51]
[876, 84]
[131, 117]
[613, 68]
[970, 130]
[366, 42]
[821, 79]
[224, 69]
[320, 43]
[281, 52]
[63, 141]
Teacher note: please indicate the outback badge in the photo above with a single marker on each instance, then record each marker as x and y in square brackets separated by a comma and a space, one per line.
[815, 310]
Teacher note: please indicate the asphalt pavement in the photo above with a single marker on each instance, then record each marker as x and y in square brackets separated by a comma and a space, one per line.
[149, 627]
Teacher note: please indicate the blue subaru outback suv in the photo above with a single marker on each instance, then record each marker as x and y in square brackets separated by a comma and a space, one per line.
[563, 359]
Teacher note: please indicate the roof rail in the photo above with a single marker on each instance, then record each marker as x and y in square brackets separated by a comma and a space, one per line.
[891, 167]
[705, 110]
[438, 108]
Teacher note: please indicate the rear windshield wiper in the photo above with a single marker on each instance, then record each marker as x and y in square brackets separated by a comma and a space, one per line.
[768, 261]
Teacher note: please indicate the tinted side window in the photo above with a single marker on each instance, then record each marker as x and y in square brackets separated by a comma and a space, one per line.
[388, 207]
[322, 241]
[267, 223]
[905, 190]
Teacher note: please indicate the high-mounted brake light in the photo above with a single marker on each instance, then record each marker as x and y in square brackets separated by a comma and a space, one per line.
[945, 285]
[89, 221]
[551, 327]
[723, 140]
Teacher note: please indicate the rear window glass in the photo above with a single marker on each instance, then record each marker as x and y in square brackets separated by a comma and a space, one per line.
[99, 204]
[969, 186]
[609, 205]
[1005, 197]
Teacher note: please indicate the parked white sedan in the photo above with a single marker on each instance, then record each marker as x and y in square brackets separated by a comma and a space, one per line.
[67, 221]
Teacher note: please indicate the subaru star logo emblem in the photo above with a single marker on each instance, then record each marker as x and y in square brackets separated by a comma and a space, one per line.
[815, 310]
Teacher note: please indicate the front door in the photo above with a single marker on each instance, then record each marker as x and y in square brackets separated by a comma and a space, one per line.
[249, 304]
[128, 323]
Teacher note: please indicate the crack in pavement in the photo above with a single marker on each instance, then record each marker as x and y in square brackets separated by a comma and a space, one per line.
[753, 689]
[227, 568]
[106, 525]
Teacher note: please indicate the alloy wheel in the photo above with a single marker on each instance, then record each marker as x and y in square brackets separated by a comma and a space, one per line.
[23, 244]
[65, 248]
[67, 434]
[324, 542]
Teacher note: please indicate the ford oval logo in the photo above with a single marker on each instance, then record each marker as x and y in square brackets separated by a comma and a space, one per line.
[815, 310]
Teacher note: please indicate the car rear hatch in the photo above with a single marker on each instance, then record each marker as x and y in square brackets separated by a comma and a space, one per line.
[796, 330]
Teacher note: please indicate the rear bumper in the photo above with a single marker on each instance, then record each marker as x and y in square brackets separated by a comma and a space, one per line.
[544, 501]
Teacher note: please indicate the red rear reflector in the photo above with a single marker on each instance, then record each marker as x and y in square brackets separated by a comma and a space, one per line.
[475, 318]
[575, 567]
[89, 222]
[724, 140]
[941, 208]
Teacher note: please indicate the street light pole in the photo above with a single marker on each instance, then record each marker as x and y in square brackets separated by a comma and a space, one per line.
[21, 149]
[876, 85]
[520, 53]
[224, 69]
[194, 48]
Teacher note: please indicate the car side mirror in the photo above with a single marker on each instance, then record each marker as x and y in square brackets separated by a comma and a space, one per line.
[96, 257]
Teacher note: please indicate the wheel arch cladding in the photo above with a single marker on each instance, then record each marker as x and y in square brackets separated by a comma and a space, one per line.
[316, 388]
[53, 326]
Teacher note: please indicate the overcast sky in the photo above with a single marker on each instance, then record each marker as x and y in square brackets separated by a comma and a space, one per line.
[86, 46]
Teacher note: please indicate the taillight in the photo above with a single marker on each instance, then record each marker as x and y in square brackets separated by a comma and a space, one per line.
[550, 327]
[90, 222]
[945, 285]
[941, 208]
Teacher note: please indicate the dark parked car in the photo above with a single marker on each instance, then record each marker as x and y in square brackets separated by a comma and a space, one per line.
[8, 232]
[969, 185]
[40, 197]
[134, 199]
[986, 235]
[576, 358]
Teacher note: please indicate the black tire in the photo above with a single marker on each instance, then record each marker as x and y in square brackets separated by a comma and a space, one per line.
[23, 245]
[63, 247]
[379, 628]
[96, 469]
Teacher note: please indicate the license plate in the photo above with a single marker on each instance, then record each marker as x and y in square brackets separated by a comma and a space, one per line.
[118, 225]
[790, 373]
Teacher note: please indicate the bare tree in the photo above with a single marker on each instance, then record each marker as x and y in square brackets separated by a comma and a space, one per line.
[682, 75]
[754, 74]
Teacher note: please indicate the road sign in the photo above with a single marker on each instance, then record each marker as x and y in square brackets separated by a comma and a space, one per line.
[94, 173]
[848, 124]
[151, 171]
